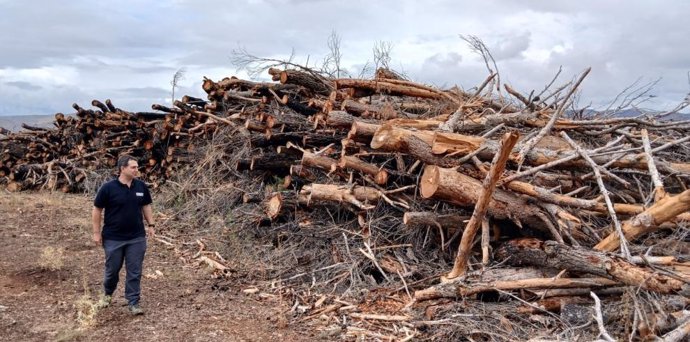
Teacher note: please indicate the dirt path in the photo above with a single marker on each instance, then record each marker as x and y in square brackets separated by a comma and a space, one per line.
[43, 231]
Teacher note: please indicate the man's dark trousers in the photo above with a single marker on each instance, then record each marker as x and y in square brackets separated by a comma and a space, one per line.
[132, 253]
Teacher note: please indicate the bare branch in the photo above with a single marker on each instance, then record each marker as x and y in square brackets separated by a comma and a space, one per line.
[332, 61]
[179, 75]
[382, 54]
[478, 46]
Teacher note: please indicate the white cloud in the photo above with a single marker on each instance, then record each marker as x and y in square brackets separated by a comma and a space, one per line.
[128, 50]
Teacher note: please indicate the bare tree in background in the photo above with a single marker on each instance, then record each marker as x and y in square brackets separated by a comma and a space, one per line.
[382, 54]
[179, 76]
[331, 63]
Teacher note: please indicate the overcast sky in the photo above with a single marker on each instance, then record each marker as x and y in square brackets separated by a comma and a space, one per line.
[55, 53]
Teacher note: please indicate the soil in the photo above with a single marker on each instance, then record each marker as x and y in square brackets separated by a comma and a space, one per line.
[51, 274]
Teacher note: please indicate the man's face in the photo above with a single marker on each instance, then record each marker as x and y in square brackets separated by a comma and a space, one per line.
[131, 170]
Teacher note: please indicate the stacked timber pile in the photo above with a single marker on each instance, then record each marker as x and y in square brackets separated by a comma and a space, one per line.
[384, 183]
[82, 149]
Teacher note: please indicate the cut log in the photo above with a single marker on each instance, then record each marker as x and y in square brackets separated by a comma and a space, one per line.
[388, 88]
[383, 112]
[415, 143]
[454, 187]
[551, 254]
[362, 197]
[320, 162]
[273, 206]
[302, 171]
[276, 163]
[392, 138]
[252, 198]
[427, 218]
[316, 84]
[340, 119]
[379, 175]
[649, 220]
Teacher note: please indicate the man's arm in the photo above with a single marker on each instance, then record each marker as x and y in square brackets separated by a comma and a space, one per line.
[96, 217]
[148, 215]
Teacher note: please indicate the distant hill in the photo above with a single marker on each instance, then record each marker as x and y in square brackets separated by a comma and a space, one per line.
[14, 122]
[631, 113]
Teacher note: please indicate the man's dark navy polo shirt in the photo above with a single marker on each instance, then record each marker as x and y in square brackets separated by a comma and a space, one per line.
[123, 217]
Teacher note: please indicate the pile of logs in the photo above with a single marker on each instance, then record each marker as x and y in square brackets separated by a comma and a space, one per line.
[530, 202]
[86, 145]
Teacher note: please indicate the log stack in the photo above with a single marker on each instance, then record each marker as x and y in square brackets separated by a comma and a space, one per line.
[492, 183]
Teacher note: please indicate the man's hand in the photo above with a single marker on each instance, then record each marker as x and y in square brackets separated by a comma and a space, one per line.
[150, 231]
[97, 239]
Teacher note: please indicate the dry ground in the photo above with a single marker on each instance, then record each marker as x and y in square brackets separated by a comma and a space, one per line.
[50, 274]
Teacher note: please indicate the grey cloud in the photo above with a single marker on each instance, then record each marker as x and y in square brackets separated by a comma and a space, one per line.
[24, 85]
[144, 92]
[74, 28]
[510, 46]
[443, 61]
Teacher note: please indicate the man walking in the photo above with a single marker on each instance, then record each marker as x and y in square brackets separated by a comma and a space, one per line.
[123, 236]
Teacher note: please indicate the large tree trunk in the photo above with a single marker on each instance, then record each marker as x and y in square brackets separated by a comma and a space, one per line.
[454, 187]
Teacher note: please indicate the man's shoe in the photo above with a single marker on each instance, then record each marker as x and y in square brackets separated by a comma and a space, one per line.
[104, 301]
[136, 310]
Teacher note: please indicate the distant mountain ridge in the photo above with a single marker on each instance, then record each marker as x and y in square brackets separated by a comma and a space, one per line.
[14, 122]
[630, 113]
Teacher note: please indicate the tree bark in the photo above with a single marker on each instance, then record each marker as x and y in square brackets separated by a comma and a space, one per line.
[361, 197]
[310, 81]
[388, 88]
[428, 218]
[457, 188]
[551, 254]
[456, 288]
[486, 193]
[649, 220]
[379, 175]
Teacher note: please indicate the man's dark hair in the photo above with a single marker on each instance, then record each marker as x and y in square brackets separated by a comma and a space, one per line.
[123, 162]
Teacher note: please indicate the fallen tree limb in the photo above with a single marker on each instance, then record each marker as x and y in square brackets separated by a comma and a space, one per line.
[551, 254]
[458, 288]
[649, 220]
[495, 171]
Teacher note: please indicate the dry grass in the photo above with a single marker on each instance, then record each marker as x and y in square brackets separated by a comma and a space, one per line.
[52, 258]
[69, 334]
[87, 309]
